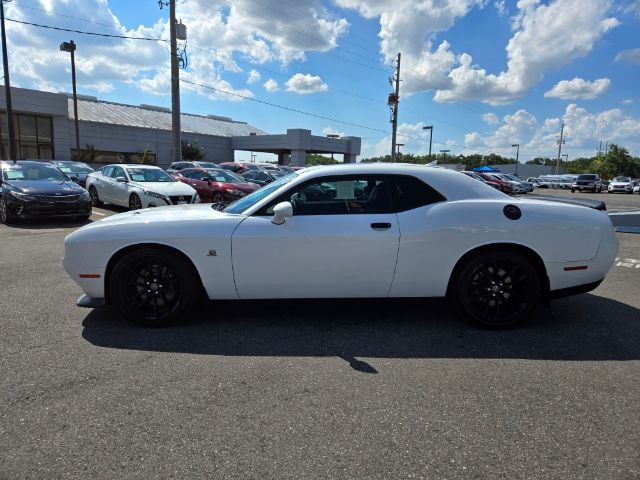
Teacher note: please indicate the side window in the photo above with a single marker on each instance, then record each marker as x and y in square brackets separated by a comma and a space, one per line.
[411, 192]
[118, 172]
[106, 171]
[348, 195]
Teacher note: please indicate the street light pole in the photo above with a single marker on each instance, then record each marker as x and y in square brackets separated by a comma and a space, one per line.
[430, 128]
[7, 90]
[517, 155]
[444, 153]
[398, 145]
[71, 48]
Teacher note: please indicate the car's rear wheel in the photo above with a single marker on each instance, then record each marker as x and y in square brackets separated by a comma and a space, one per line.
[5, 216]
[152, 287]
[95, 199]
[497, 289]
[134, 202]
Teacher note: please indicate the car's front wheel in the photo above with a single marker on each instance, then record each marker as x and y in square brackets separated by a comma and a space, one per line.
[134, 202]
[153, 287]
[5, 216]
[95, 199]
[497, 289]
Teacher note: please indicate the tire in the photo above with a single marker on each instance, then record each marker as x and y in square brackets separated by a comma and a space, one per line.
[573, 191]
[95, 199]
[5, 217]
[497, 289]
[134, 202]
[217, 198]
[153, 287]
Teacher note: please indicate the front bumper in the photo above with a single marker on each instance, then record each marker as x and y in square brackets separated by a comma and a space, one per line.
[18, 208]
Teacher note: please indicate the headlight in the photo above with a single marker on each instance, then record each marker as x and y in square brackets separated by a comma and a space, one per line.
[85, 195]
[154, 194]
[22, 196]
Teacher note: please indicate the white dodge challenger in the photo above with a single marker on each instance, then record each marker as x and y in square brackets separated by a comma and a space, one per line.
[359, 230]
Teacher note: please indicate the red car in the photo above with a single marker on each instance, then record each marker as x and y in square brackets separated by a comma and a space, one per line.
[504, 186]
[477, 176]
[238, 168]
[215, 185]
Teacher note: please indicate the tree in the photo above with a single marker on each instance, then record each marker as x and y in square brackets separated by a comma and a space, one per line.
[616, 162]
[315, 159]
[192, 152]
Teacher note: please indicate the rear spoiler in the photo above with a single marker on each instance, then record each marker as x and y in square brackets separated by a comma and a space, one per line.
[583, 202]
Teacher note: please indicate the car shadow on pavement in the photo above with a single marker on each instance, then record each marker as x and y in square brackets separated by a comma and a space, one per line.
[587, 327]
[46, 223]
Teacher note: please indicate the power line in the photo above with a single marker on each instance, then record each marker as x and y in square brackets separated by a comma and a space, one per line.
[282, 106]
[86, 20]
[149, 39]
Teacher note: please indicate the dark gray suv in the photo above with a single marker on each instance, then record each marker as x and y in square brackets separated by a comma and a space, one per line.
[587, 182]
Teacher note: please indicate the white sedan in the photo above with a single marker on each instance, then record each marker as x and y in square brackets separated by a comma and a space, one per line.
[362, 230]
[137, 186]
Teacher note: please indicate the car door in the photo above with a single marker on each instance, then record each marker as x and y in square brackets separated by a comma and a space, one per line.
[340, 242]
[198, 180]
[119, 191]
[102, 181]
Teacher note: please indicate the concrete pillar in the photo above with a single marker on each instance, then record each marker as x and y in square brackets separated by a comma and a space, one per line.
[349, 158]
[298, 158]
[284, 158]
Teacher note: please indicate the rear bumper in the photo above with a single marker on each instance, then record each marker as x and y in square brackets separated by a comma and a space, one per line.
[576, 290]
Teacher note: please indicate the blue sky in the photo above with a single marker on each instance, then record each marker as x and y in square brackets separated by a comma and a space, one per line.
[485, 73]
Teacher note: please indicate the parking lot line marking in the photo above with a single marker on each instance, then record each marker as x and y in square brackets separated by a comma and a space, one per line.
[101, 214]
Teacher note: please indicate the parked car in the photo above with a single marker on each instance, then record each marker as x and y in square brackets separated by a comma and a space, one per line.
[261, 177]
[30, 189]
[495, 257]
[76, 171]
[636, 189]
[587, 182]
[215, 185]
[621, 184]
[138, 186]
[478, 177]
[516, 187]
[238, 168]
[505, 187]
[538, 183]
[526, 186]
[177, 166]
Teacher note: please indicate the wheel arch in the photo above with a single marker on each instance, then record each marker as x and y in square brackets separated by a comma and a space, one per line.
[527, 252]
[138, 246]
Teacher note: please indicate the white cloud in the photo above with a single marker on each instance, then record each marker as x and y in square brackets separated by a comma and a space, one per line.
[332, 131]
[578, 88]
[271, 85]
[583, 131]
[306, 84]
[632, 55]
[254, 76]
[501, 7]
[628, 101]
[491, 118]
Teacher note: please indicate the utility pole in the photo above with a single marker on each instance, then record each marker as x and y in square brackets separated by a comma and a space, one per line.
[517, 155]
[175, 86]
[71, 48]
[7, 90]
[430, 128]
[393, 103]
[560, 142]
[600, 149]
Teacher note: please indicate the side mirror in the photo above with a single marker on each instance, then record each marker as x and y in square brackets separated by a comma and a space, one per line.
[208, 182]
[121, 180]
[281, 212]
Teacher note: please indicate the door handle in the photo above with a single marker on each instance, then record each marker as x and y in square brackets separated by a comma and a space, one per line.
[381, 226]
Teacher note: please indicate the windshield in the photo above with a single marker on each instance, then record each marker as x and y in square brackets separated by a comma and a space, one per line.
[586, 177]
[34, 172]
[149, 175]
[228, 176]
[75, 168]
[250, 200]
[622, 179]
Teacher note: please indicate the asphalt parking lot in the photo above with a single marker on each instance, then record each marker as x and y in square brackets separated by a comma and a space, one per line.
[314, 389]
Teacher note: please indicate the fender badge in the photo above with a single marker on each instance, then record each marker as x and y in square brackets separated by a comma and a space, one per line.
[212, 253]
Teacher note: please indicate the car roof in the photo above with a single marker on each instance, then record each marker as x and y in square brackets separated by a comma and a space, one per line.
[9, 163]
[136, 165]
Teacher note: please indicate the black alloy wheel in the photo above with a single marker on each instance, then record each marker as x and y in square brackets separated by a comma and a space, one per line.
[95, 199]
[4, 212]
[134, 202]
[497, 289]
[217, 198]
[153, 287]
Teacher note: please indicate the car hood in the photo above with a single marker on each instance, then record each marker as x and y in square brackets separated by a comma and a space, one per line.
[47, 187]
[165, 188]
[621, 184]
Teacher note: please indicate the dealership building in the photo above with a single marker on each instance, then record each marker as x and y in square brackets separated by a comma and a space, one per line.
[44, 125]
